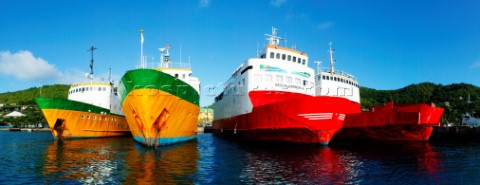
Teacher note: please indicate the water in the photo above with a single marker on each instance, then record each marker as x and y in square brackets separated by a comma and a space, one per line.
[35, 158]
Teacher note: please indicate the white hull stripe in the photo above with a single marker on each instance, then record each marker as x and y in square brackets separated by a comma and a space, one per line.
[321, 116]
[317, 116]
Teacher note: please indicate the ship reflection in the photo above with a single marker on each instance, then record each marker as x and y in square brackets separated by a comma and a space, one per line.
[90, 161]
[118, 161]
[340, 164]
[167, 165]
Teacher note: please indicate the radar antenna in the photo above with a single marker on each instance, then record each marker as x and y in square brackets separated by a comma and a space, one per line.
[273, 38]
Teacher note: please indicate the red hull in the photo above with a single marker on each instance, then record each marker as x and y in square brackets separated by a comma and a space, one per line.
[392, 123]
[288, 117]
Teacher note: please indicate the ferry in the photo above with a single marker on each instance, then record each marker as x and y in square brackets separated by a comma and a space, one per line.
[160, 100]
[91, 110]
[392, 122]
[274, 97]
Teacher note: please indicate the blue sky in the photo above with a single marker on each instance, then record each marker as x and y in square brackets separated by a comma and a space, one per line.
[386, 44]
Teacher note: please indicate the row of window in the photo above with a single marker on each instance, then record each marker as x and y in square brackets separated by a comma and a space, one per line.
[280, 79]
[83, 89]
[286, 57]
[338, 79]
[99, 118]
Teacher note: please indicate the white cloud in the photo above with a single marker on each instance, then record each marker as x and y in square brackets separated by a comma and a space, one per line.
[204, 3]
[476, 64]
[325, 25]
[24, 66]
[277, 3]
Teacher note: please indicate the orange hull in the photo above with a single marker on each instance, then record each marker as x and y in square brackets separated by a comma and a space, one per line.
[68, 124]
[159, 118]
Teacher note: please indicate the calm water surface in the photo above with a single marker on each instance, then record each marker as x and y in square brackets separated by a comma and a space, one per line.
[35, 158]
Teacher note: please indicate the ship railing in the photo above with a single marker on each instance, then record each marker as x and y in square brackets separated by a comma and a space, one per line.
[339, 72]
[167, 65]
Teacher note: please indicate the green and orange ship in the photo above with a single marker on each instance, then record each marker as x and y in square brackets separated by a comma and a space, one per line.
[91, 110]
[160, 102]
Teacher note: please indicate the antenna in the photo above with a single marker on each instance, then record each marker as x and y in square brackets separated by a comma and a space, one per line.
[92, 48]
[167, 54]
[110, 74]
[331, 58]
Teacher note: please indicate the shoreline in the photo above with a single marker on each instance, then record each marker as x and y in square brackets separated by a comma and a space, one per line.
[27, 129]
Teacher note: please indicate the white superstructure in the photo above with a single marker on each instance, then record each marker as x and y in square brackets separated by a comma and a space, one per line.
[100, 94]
[179, 70]
[276, 69]
[329, 82]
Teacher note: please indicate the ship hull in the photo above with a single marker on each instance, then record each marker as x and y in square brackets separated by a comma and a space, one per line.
[288, 117]
[392, 123]
[158, 117]
[75, 120]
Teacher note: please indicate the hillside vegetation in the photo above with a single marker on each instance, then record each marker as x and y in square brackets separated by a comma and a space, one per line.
[28, 96]
[454, 98]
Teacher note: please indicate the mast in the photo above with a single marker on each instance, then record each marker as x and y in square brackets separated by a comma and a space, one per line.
[110, 74]
[142, 62]
[332, 70]
[92, 48]
[162, 53]
[319, 63]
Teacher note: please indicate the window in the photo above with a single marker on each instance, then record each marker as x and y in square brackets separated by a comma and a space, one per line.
[262, 56]
[279, 79]
[258, 77]
[278, 55]
[299, 60]
[304, 61]
[305, 83]
[334, 78]
[268, 78]
[272, 55]
[323, 77]
[298, 81]
[289, 79]
[183, 76]
[283, 56]
[104, 89]
[294, 58]
[289, 58]
[176, 75]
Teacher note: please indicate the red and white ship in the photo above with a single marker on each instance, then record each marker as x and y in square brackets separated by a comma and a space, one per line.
[390, 122]
[277, 97]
